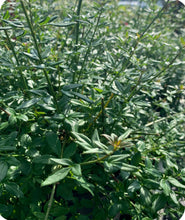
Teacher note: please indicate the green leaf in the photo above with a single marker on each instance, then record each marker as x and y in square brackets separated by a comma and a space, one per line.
[119, 86]
[165, 186]
[56, 177]
[151, 184]
[83, 140]
[14, 23]
[85, 98]
[63, 161]
[32, 56]
[7, 148]
[159, 203]
[134, 186]
[173, 197]
[129, 168]
[44, 21]
[3, 170]
[95, 136]
[145, 196]
[44, 159]
[76, 169]
[136, 159]
[83, 183]
[175, 182]
[14, 189]
[53, 142]
[12, 119]
[100, 145]
[171, 164]
[117, 158]
[28, 104]
[125, 135]
[71, 86]
[63, 24]
[4, 125]
[154, 172]
[70, 150]
[22, 117]
[93, 151]
[5, 28]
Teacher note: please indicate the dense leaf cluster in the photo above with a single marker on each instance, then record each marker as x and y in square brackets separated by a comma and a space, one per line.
[91, 111]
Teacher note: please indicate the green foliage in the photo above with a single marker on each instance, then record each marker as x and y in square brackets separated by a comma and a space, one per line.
[92, 119]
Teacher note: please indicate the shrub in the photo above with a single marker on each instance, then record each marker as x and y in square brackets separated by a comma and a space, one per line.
[92, 115]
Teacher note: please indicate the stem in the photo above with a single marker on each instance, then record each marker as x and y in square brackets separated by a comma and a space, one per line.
[168, 66]
[75, 59]
[89, 47]
[97, 160]
[78, 23]
[25, 86]
[39, 55]
[50, 202]
[100, 112]
[4, 111]
[133, 48]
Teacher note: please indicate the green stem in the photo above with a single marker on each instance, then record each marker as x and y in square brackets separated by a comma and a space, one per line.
[39, 55]
[97, 160]
[78, 23]
[25, 86]
[168, 66]
[50, 202]
[133, 48]
[89, 47]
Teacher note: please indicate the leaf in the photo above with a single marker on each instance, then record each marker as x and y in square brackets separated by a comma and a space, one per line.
[28, 104]
[93, 151]
[14, 23]
[83, 183]
[173, 197]
[100, 145]
[95, 136]
[85, 98]
[4, 125]
[63, 24]
[134, 186]
[5, 28]
[31, 56]
[76, 169]
[71, 86]
[53, 142]
[145, 196]
[70, 150]
[83, 140]
[165, 186]
[14, 189]
[7, 148]
[151, 184]
[153, 172]
[56, 177]
[22, 117]
[12, 119]
[175, 182]
[117, 158]
[159, 203]
[136, 159]
[125, 135]
[119, 86]
[3, 170]
[63, 161]
[128, 168]
[44, 159]
[171, 164]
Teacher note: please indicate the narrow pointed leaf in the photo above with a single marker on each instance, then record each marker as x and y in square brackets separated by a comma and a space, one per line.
[56, 177]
